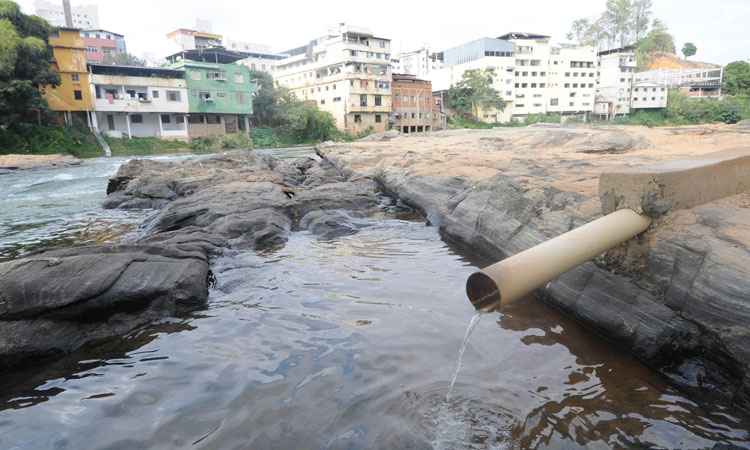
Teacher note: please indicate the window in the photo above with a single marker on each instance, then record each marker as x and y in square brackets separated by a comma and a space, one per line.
[205, 96]
[221, 94]
[533, 74]
[567, 74]
[216, 75]
[357, 118]
[155, 94]
[363, 100]
[78, 95]
[136, 118]
[554, 102]
[195, 118]
[378, 100]
[519, 105]
[173, 96]
[213, 119]
[336, 99]
[567, 85]
[75, 77]
[322, 102]
[165, 118]
[378, 118]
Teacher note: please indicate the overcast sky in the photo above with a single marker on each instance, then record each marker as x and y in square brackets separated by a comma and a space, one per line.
[719, 28]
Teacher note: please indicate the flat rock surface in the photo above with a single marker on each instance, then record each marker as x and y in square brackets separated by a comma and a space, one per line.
[23, 162]
[678, 297]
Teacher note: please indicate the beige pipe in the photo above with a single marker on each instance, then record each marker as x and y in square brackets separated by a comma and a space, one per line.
[517, 276]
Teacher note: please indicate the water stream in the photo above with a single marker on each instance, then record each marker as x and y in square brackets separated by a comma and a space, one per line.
[459, 363]
[346, 343]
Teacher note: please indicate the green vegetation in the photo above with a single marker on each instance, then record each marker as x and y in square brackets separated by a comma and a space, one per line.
[45, 140]
[124, 59]
[474, 93]
[24, 67]
[459, 122]
[683, 110]
[219, 143]
[689, 49]
[737, 79]
[626, 22]
[144, 146]
[283, 120]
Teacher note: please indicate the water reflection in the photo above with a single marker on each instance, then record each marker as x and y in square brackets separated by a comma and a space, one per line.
[351, 343]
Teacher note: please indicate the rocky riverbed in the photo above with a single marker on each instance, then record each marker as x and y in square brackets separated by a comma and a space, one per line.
[53, 302]
[678, 298]
[267, 301]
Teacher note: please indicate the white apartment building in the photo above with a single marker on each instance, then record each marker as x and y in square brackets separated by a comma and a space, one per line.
[532, 75]
[420, 63]
[552, 79]
[345, 72]
[484, 53]
[139, 101]
[84, 16]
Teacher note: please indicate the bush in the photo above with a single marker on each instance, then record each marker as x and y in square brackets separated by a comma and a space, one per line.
[457, 122]
[144, 146]
[226, 142]
[24, 138]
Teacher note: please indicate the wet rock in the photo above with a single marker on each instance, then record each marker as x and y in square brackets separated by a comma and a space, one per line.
[355, 194]
[259, 229]
[328, 224]
[56, 301]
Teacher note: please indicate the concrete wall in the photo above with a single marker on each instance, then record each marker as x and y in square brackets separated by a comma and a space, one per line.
[175, 129]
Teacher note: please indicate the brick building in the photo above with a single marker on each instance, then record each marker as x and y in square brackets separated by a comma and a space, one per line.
[414, 108]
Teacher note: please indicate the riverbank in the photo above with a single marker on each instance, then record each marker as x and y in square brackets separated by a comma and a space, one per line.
[10, 163]
[676, 299]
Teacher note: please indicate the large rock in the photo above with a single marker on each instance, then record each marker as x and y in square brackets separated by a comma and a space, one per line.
[56, 301]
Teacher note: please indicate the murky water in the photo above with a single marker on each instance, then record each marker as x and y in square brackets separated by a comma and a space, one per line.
[346, 344]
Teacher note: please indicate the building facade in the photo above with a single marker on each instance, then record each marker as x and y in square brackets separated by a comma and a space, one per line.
[187, 39]
[219, 92]
[345, 72]
[484, 53]
[72, 98]
[420, 63]
[414, 109]
[702, 82]
[84, 16]
[101, 44]
[139, 102]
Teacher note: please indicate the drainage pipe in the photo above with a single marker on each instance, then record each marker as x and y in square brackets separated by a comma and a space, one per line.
[515, 277]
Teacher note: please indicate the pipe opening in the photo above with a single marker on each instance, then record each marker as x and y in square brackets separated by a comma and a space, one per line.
[483, 292]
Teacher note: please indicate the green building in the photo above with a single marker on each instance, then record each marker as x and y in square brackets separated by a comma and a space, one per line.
[220, 91]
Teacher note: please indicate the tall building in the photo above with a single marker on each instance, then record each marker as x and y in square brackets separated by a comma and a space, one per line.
[697, 82]
[552, 79]
[72, 98]
[484, 53]
[420, 63]
[84, 16]
[345, 72]
[220, 91]
[102, 43]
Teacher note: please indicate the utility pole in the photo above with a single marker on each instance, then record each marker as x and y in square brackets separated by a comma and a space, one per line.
[68, 14]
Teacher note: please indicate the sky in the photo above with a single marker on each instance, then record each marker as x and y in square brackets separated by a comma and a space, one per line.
[718, 27]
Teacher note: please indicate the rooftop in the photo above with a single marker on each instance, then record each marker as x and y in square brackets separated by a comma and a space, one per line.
[522, 35]
[135, 71]
[218, 55]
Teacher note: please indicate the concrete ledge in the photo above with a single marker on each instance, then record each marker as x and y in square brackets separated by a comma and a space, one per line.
[657, 189]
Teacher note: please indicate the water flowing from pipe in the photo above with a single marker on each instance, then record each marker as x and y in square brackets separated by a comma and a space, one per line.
[469, 330]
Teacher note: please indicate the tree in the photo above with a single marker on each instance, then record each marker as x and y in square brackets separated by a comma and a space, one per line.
[737, 78]
[24, 64]
[618, 18]
[641, 18]
[689, 49]
[124, 59]
[579, 31]
[658, 40]
[475, 92]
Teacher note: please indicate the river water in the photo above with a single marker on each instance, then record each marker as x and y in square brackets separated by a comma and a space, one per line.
[330, 344]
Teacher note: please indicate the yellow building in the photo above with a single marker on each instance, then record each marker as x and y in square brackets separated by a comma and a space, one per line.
[73, 95]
